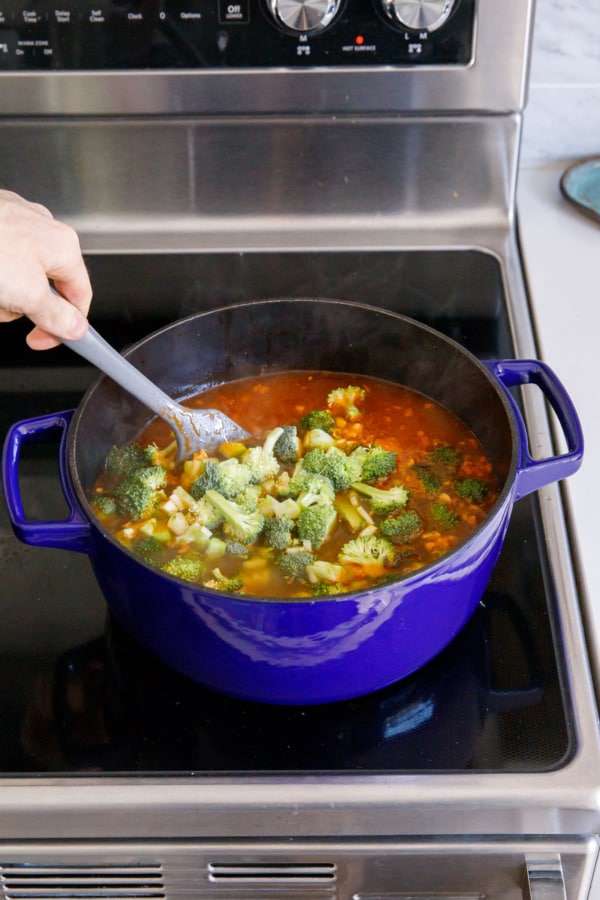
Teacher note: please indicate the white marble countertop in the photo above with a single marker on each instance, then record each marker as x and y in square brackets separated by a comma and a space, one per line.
[561, 250]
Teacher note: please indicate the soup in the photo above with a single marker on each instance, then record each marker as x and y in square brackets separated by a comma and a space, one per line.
[348, 481]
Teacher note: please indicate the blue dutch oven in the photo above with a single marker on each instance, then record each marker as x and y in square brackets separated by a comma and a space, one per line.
[308, 650]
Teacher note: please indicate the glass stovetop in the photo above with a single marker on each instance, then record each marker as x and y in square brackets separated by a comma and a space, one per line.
[78, 695]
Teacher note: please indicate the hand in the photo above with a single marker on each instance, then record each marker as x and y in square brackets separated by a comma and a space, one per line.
[35, 247]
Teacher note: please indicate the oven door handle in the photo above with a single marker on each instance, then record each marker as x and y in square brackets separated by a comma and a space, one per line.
[545, 879]
[537, 473]
[72, 533]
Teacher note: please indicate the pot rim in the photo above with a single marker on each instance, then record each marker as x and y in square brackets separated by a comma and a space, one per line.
[497, 510]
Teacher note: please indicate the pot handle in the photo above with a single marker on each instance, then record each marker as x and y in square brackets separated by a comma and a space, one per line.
[537, 473]
[73, 533]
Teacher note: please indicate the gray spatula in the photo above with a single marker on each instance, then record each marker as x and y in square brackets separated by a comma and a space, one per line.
[201, 429]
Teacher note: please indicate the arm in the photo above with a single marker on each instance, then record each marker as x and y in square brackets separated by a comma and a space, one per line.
[35, 247]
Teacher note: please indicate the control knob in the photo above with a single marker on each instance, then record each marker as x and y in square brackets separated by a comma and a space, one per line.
[304, 15]
[421, 15]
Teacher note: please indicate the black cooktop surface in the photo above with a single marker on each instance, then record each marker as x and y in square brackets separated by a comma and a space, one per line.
[79, 696]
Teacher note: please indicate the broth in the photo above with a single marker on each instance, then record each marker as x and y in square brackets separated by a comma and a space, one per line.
[385, 481]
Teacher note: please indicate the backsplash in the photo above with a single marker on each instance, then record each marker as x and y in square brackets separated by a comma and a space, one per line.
[562, 118]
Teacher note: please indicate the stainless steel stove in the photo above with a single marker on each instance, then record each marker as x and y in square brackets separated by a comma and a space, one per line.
[211, 152]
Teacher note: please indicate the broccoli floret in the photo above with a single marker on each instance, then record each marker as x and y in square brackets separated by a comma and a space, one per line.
[401, 528]
[236, 548]
[105, 504]
[472, 489]
[334, 464]
[269, 506]
[124, 460]
[157, 457]
[326, 589]
[309, 488]
[136, 499]
[318, 418]
[293, 565]
[428, 479]
[444, 517]
[240, 525]
[228, 477]
[249, 497]
[187, 567]
[381, 500]
[235, 477]
[148, 545]
[278, 532]
[346, 400]
[445, 454]
[154, 477]
[322, 570]
[262, 463]
[315, 523]
[209, 480]
[377, 463]
[368, 550]
[286, 447]
[221, 582]
[206, 514]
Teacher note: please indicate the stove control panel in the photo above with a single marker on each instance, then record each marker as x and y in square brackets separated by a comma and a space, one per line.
[232, 34]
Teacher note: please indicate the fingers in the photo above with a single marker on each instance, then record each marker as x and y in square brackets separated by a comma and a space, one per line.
[35, 247]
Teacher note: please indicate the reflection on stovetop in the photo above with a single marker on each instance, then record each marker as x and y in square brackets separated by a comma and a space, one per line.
[488, 702]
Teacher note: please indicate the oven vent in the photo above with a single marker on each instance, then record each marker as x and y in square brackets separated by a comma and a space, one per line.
[84, 882]
[273, 874]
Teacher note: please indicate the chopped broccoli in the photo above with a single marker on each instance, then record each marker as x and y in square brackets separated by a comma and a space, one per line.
[288, 509]
[293, 565]
[196, 534]
[221, 582]
[124, 460]
[235, 477]
[334, 464]
[318, 418]
[381, 500]
[278, 532]
[428, 479]
[262, 463]
[209, 480]
[240, 525]
[154, 477]
[309, 488]
[326, 589]
[401, 528]
[236, 548]
[104, 504]
[443, 516]
[249, 497]
[206, 514]
[321, 570]
[315, 522]
[136, 499]
[187, 567]
[346, 400]
[368, 550]
[445, 454]
[148, 545]
[228, 477]
[286, 447]
[473, 489]
[377, 463]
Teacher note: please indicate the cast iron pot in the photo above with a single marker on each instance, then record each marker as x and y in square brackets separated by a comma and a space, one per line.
[299, 651]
